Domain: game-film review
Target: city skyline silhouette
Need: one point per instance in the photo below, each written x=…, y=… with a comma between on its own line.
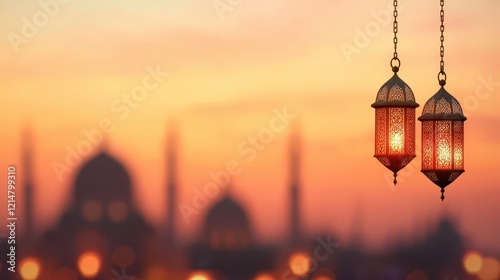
x=229, y=139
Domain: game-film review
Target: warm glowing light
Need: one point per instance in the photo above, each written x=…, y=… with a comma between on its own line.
x=117, y=211
x=472, y=262
x=458, y=157
x=89, y=264
x=199, y=276
x=490, y=269
x=30, y=269
x=299, y=264
x=396, y=142
x=443, y=152
x=92, y=211
x=417, y=275
x=264, y=276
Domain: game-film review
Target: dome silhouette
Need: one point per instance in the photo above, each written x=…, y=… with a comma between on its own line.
x=103, y=178
x=227, y=225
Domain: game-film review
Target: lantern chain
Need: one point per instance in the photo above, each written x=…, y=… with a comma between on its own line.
x=442, y=74
x=395, y=68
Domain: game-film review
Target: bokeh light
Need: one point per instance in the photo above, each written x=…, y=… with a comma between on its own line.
x=299, y=264
x=199, y=276
x=324, y=274
x=123, y=256
x=30, y=269
x=472, y=262
x=89, y=264
x=490, y=269
x=264, y=276
x=417, y=275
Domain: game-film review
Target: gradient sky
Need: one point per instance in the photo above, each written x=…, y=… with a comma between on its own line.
x=226, y=77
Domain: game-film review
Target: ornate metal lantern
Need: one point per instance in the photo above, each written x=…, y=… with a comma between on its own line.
x=442, y=139
x=442, y=131
x=395, y=125
x=395, y=118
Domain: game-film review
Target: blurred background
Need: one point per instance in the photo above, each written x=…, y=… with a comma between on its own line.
x=229, y=139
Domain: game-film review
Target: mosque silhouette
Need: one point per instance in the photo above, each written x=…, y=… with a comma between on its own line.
x=101, y=235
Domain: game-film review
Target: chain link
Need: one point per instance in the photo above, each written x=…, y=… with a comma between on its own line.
x=395, y=29
x=395, y=68
x=441, y=49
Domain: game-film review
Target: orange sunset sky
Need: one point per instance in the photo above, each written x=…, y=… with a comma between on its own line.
x=228, y=71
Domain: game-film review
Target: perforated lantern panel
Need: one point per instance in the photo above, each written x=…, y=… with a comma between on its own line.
x=442, y=149
x=395, y=124
x=395, y=136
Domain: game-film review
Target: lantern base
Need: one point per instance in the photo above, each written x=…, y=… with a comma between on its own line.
x=442, y=178
x=395, y=162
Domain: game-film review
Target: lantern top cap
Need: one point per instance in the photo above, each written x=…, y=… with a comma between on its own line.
x=442, y=105
x=395, y=93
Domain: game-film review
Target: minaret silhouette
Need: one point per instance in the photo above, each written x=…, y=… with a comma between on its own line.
x=27, y=152
x=171, y=181
x=294, y=185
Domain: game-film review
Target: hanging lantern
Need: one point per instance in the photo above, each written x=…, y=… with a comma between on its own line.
x=442, y=139
x=395, y=118
x=442, y=132
x=395, y=125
